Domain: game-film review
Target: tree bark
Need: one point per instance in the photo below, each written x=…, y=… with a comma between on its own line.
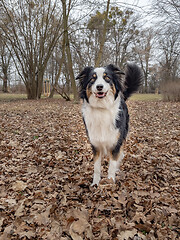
x=5, y=79
x=5, y=86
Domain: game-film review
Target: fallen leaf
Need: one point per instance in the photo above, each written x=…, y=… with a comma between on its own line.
x=79, y=227
x=1, y=222
x=27, y=234
x=20, y=210
x=125, y=235
x=19, y=186
x=43, y=218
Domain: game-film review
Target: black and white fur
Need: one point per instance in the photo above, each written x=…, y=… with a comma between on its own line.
x=105, y=112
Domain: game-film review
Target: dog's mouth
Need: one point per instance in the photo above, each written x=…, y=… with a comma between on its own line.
x=101, y=94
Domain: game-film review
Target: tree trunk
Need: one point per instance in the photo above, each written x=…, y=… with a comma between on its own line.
x=68, y=51
x=145, y=83
x=39, y=84
x=100, y=53
x=5, y=87
x=31, y=92
x=5, y=79
x=59, y=71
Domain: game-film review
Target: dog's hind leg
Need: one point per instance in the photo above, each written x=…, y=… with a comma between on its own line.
x=115, y=162
x=97, y=166
x=119, y=160
x=112, y=169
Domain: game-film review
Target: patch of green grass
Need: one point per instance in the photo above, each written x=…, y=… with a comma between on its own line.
x=144, y=232
x=135, y=97
x=146, y=97
x=35, y=137
x=12, y=96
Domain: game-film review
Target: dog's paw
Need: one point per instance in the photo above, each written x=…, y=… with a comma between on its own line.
x=95, y=182
x=96, y=179
x=112, y=177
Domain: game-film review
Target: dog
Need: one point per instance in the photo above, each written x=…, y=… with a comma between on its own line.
x=104, y=92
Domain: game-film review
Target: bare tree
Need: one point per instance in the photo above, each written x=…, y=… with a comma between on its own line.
x=124, y=33
x=67, y=48
x=5, y=58
x=169, y=58
x=169, y=10
x=32, y=28
x=59, y=62
x=121, y=31
x=143, y=48
x=103, y=37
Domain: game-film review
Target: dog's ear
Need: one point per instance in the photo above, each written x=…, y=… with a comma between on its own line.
x=83, y=81
x=117, y=78
x=115, y=69
x=84, y=74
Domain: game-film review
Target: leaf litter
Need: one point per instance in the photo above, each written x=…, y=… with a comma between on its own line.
x=46, y=170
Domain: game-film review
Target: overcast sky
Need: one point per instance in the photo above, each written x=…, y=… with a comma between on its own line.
x=141, y=3
x=141, y=6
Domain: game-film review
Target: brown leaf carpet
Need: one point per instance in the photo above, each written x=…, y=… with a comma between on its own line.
x=46, y=169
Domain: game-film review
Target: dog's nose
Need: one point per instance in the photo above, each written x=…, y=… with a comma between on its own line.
x=99, y=87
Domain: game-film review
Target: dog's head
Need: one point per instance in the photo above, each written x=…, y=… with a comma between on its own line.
x=100, y=85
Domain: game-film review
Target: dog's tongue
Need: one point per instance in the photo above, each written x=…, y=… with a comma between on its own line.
x=100, y=94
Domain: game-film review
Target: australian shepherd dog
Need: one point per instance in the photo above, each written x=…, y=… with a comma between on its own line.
x=104, y=92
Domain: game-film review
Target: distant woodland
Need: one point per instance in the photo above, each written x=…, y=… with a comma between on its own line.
x=53, y=40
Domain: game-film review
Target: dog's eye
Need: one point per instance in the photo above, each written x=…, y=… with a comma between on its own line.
x=107, y=79
x=92, y=80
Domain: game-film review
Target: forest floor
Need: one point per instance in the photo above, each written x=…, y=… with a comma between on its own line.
x=46, y=170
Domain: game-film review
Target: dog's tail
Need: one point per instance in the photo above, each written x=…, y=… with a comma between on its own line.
x=133, y=79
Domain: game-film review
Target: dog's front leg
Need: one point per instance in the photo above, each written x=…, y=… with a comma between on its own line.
x=97, y=167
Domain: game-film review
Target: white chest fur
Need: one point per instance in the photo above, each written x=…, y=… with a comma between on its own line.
x=100, y=123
